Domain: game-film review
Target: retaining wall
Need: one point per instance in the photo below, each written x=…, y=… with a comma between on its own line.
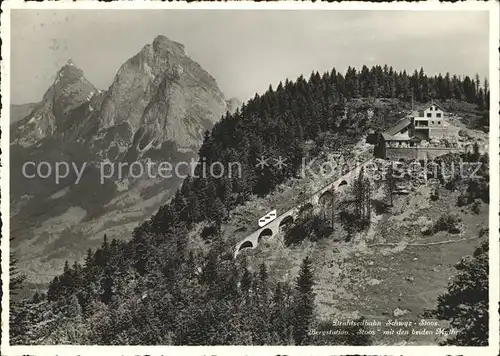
x=418, y=152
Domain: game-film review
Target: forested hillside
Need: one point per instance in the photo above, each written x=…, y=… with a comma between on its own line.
x=154, y=289
x=280, y=121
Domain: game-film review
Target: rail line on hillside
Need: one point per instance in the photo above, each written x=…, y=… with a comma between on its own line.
x=392, y=244
x=306, y=198
x=297, y=203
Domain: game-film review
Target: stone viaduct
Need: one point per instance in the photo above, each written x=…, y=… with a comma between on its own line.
x=288, y=217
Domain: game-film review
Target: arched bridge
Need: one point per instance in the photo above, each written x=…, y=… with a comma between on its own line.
x=308, y=204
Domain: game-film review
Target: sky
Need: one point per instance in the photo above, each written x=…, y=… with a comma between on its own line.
x=244, y=51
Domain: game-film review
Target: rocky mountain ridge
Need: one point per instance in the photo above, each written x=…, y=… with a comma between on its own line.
x=69, y=90
x=158, y=95
x=158, y=106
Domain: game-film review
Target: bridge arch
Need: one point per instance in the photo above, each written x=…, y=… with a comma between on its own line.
x=286, y=222
x=306, y=210
x=265, y=233
x=326, y=198
x=245, y=245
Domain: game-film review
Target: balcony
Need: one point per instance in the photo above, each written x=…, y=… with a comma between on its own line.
x=421, y=124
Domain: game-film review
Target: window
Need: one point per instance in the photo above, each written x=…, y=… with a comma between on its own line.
x=438, y=114
x=429, y=114
x=433, y=122
x=439, y=122
x=431, y=108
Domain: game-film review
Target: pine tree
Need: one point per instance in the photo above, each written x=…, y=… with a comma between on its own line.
x=391, y=83
x=263, y=285
x=67, y=280
x=210, y=274
x=18, y=312
x=218, y=213
x=73, y=308
x=465, y=304
x=140, y=251
x=475, y=152
x=263, y=274
x=232, y=285
x=304, y=303
x=477, y=82
x=390, y=184
x=486, y=93
x=77, y=276
x=89, y=259
x=367, y=200
x=423, y=85
x=359, y=195
x=246, y=279
x=406, y=91
x=20, y=322
x=448, y=87
x=16, y=278
x=107, y=285
x=54, y=290
x=480, y=101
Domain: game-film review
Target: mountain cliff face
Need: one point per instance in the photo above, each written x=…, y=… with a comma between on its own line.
x=159, y=104
x=70, y=90
x=163, y=95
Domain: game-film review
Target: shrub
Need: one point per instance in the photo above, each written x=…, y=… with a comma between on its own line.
x=477, y=189
x=461, y=201
x=476, y=207
x=320, y=228
x=465, y=303
x=351, y=223
x=483, y=231
x=435, y=195
x=380, y=207
x=313, y=227
x=208, y=232
x=463, y=133
x=447, y=222
x=427, y=231
x=450, y=185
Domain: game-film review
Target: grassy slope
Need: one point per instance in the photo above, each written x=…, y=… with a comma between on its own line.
x=363, y=279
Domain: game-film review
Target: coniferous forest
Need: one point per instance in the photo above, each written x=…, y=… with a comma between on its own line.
x=152, y=288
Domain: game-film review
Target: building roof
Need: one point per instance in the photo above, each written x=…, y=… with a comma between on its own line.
x=400, y=138
x=386, y=137
x=401, y=124
x=425, y=106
